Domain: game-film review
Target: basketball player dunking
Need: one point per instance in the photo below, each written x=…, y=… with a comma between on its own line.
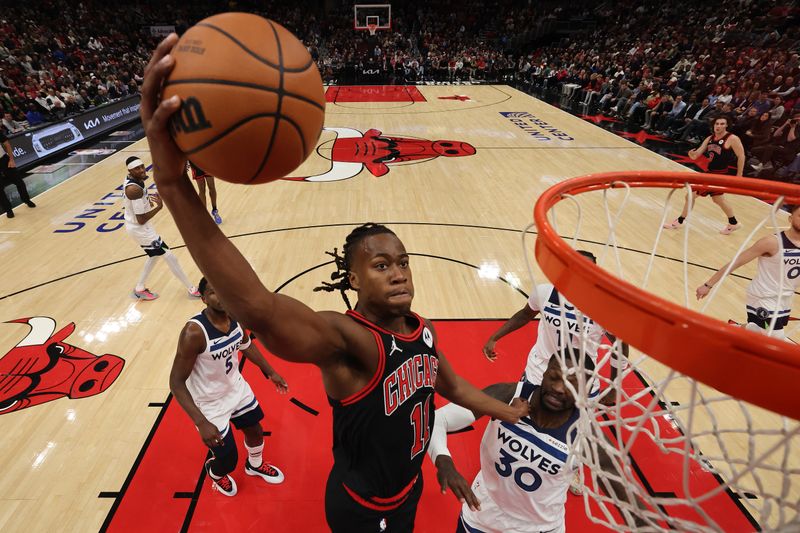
x=726, y=155
x=526, y=467
x=206, y=382
x=379, y=364
x=140, y=208
x=769, y=295
x=203, y=178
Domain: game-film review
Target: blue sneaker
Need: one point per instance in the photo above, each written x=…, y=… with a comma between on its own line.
x=217, y=218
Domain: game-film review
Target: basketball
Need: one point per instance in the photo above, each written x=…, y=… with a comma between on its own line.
x=252, y=98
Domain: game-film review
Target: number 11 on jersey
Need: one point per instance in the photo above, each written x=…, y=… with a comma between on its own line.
x=422, y=430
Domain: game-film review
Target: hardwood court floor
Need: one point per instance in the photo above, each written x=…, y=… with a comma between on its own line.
x=460, y=215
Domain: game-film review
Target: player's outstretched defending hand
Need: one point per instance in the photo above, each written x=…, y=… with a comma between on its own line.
x=702, y=291
x=489, y=350
x=449, y=477
x=280, y=383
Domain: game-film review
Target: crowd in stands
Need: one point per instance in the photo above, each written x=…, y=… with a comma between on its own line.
x=672, y=68
x=60, y=58
x=664, y=65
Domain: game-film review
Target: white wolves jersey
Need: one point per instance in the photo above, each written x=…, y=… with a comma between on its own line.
x=139, y=206
x=216, y=370
x=526, y=471
x=556, y=325
x=763, y=290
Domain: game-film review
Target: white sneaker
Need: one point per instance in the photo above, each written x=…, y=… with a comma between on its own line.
x=224, y=485
x=266, y=471
x=673, y=225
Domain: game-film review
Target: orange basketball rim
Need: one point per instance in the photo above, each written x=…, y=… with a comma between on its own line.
x=743, y=364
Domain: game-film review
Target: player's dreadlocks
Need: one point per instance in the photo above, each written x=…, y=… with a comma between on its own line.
x=340, y=279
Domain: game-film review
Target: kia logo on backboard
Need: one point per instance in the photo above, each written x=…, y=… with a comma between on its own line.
x=89, y=124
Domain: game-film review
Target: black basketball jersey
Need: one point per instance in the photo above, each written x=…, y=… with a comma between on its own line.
x=381, y=433
x=722, y=160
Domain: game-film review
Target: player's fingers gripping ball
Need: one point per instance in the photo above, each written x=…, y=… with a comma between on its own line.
x=253, y=103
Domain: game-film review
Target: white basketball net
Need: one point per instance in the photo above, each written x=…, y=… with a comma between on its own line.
x=690, y=458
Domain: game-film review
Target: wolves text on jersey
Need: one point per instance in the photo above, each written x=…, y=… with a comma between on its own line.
x=222, y=351
x=527, y=451
x=416, y=372
x=553, y=317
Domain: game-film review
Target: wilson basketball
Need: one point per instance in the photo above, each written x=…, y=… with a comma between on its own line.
x=252, y=98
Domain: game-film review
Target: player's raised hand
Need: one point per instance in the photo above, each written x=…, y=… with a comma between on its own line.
x=702, y=291
x=489, y=350
x=168, y=161
x=279, y=382
x=449, y=477
x=210, y=434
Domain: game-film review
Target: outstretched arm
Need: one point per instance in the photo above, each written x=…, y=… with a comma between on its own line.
x=287, y=327
x=519, y=319
x=765, y=246
x=453, y=417
x=461, y=392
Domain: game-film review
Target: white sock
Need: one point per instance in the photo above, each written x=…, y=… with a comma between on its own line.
x=254, y=454
x=176, y=269
x=148, y=267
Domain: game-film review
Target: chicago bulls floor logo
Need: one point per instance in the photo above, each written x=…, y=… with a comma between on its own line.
x=42, y=367
x=352, y=151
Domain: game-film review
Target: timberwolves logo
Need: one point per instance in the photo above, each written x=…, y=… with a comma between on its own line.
x=353, y=151
x=42, y=368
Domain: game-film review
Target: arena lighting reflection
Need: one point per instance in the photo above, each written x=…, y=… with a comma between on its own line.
x=40, y=458
x=489, y=271
x=513, y=280
x=113, y=325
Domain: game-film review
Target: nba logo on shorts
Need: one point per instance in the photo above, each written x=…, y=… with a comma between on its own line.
x=382, y=524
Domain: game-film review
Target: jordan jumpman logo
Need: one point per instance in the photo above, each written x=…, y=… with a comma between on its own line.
x=394, y=347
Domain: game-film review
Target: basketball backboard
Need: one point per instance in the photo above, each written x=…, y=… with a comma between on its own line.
x=372, y=17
